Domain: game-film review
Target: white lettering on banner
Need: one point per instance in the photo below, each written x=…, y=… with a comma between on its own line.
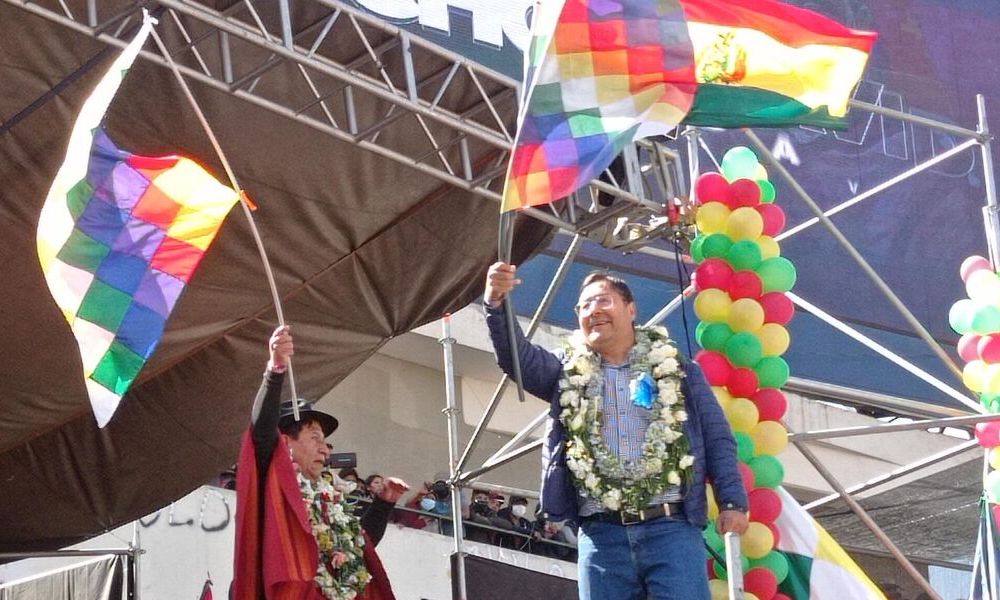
x=491, y=19
x=852, y=184
x=784, y=149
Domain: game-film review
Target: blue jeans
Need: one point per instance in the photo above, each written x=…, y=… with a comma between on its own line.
x=662, y=559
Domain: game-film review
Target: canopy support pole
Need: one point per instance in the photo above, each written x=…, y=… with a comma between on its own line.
x=451, y=413
x=543, y=308
x=825, y=434
x=895, y=473
x=855, y=255
x=867, y=520
x=885, y=352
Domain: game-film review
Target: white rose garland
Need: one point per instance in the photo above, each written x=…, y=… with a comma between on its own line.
x=616, y=483
x=336, y=529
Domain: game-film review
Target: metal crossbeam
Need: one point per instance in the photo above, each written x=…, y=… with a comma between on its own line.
x=355, y=77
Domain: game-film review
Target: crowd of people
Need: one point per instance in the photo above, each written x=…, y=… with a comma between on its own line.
x=489, y=517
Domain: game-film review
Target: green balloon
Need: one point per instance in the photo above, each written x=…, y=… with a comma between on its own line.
x=739, y=163
x=744, y=446
x=699, y=331
x=986, y=319
x=994, y=406
x=777, y=274
x=715, y=336
x=767, y=471
x=767, y=192
x=716, y=245
x=993, y=487
x=744, y=255
x=775, y=562
x=960, y=315
x=720, y=570
x=744, y=349
x=772, y=372
x=697, y=250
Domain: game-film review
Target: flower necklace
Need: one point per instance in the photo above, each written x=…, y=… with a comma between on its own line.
x=337, y=532
x=617, y=483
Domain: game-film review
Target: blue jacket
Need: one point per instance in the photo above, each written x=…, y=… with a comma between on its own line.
x=711, y=440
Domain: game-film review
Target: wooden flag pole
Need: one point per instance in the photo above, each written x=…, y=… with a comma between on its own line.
x=244, y=201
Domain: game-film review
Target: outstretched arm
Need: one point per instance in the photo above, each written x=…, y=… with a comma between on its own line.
x=267, y=404
x=540, y=368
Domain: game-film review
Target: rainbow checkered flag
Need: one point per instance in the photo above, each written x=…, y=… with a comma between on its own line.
x=602, y=74
x=119, y=237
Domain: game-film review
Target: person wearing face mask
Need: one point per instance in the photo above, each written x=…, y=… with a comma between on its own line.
x=514, y=519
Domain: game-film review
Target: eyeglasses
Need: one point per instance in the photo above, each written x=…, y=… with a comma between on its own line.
x=597, y=301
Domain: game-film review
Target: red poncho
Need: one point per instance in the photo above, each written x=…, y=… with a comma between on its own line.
x=286, y=546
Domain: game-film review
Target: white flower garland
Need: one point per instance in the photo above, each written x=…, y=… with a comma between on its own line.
x=336, y=530
x=616, y=483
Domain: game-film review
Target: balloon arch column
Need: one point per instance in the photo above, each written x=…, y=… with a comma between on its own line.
x=744, y=302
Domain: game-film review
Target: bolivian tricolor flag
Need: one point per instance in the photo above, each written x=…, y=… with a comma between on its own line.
x=765, y=63
x=604, y=73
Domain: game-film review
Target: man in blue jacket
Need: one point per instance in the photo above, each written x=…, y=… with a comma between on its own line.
x=633, y=435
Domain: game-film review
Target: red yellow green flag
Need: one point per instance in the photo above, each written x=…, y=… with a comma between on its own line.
x=604, y=73
x=765, y=63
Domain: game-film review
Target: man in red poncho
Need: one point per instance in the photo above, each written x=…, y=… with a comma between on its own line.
x=296, y=538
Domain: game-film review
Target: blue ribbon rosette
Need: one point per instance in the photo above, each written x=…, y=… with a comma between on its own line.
x=643, y=391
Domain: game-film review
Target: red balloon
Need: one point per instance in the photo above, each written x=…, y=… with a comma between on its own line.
x=760, y=582
x=771, y=404
x=745, y=284
x=747, y=474
x=973, y=264
x=765, y=505
x=710, y=565
x=744, y=192
x=774, y=218
x=988, y=434
x=711, y=187
x=716, y=367
x=742, y=382
x=777, y=308
x=774, y=532
x=968, y=347
x=988, y=348
x=713, y=273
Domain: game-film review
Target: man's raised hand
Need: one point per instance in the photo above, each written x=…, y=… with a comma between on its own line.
x=500, y=280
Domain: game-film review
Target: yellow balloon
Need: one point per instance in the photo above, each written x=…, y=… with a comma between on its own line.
x=991, y=379
x=972, y=375
x=757, y=540
x=769, y=437
x=768, y=247
x=983, y=285
x=719, y=589
x=712, y=305
x=742, y=414
x=749, y=596
x=746, y=314
x=713, y=507
x=995, y=457
x=774, y=339
x=721, y=394
x=744, y=224
x=760, y=172
x=712, y=217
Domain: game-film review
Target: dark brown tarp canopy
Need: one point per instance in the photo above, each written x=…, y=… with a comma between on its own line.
x=363, y=249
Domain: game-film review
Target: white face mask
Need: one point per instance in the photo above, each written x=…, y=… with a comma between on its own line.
x=519, y=510
x=427, y=504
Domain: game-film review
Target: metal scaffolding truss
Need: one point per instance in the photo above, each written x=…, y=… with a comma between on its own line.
x=383, y=89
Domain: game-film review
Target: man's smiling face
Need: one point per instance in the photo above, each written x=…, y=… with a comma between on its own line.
x=605, y=318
